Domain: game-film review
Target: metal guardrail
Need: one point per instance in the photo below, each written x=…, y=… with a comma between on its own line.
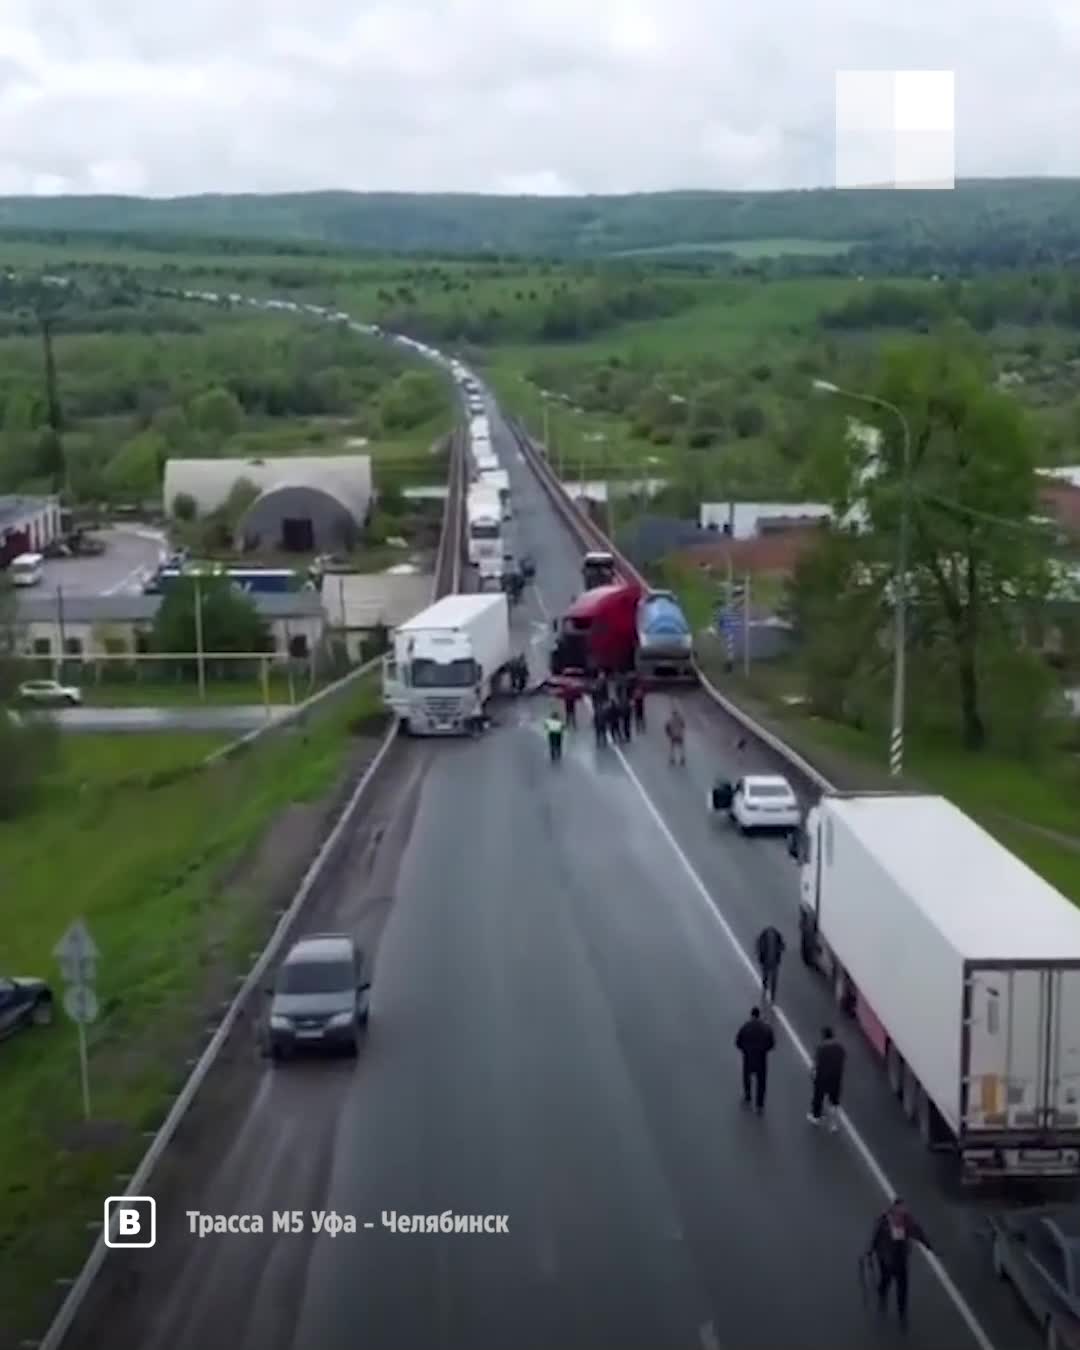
x=589, y=535
x=447, y=580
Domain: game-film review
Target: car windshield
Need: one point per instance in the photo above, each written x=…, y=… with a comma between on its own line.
x=769, y=790
x=315, y=977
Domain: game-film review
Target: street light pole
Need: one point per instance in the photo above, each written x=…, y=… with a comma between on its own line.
x=899, y=693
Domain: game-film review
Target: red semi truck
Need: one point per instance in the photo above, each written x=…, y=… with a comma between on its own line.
x=598, y=631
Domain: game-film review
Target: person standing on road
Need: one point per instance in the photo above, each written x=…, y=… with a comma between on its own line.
x=890, y=1246
x=553, y=725
x=570, y=696
x=626, y=713
x=828, y=1073
x=599, y=719
x=755, y=1042
x=770, y=952
x=639, y=706
x=676, y=734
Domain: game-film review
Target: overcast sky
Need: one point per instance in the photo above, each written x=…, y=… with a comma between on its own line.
x=166, y=97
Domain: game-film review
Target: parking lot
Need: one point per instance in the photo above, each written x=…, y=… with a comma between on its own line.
x=129, y=555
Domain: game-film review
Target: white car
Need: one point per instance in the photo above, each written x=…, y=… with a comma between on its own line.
x=49, y=691
x=765, y=802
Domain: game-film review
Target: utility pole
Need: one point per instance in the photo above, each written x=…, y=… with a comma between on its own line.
x=200, y=660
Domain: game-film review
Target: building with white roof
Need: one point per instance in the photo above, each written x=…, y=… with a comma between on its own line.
x=306, y=503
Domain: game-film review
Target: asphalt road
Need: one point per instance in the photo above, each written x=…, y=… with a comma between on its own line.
x=557, y=986
x=130, y=553
x=239, y=718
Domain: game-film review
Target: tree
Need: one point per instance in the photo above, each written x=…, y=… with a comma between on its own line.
x=216, y=415
x=412, y=399
x=185, y=507
x=974, y=561
x=230, y=621
x=748, y=420
x=172, y=425
x=134, y=472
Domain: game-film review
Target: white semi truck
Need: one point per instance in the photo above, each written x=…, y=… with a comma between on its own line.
x=499, y=482
x=444, y=663
x=961, y=966
x=484, y=525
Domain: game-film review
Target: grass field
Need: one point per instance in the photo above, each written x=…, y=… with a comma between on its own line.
x=747, y=248
x=137, y=838
x=184, y=693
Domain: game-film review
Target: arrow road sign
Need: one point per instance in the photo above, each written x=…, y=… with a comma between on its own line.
x=81, y=1004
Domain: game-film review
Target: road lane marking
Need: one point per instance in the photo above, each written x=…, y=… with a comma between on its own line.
x=861, y=1146
x=140, y=571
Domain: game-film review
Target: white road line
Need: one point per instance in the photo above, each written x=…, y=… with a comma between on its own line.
x=135, y=572
x=861, y=1146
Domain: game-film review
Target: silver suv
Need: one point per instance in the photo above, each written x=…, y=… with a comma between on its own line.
x=320, y=997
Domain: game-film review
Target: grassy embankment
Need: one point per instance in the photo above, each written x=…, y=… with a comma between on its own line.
x=135, y=836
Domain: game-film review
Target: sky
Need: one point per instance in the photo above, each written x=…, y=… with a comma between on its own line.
x=169, y=97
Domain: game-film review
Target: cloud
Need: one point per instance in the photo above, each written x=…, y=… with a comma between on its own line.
x=535, y=96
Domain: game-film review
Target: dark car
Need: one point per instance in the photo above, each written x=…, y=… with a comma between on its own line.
x=24, y=1003
x=1038, y=1252
x=320, y=998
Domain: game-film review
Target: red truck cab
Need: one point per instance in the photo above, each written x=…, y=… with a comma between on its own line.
x=598, y=631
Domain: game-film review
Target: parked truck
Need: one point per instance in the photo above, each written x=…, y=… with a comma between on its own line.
x=665, y=644
x=445, y=662
x=498, y=480
x=961, y=966
x=484, y=525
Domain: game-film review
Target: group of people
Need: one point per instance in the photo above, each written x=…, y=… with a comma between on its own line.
x=887, y=1254
x=618, y=708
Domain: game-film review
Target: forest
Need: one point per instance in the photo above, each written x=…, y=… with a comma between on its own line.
x=979, y=223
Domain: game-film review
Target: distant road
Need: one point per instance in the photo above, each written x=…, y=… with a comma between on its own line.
x=241, y=718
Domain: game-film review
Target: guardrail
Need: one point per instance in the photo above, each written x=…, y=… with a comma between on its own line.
x=447, y=580
x=589, y=535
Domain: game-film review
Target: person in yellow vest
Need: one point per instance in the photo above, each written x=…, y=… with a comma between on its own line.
x=553, y=725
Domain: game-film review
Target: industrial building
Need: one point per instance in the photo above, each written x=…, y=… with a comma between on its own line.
x=357, y=603
x=306, y=503
x=27, y=525
x=91, y=627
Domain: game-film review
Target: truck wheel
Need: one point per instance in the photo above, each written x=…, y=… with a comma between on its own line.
x=909, y=1095
x=405, y=727
x=894, y=1069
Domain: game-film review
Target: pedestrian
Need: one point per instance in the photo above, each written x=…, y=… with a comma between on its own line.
x=720, y=795
x=600, y=688
x=676, y=734
x=639, y=706
x=626, y=715
x=770, y=952
x=613, y=721
x=828, y=1072
x=755, y=1042
x=890, y=1246
x=553, y=725
x=570, y=695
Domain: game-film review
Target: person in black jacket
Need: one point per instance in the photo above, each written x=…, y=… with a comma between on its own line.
x=890, y=1246
x=755, y=1041
x=770, y=952
x=829, y=1059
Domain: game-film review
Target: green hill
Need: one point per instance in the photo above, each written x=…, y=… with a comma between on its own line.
x=1007, y=220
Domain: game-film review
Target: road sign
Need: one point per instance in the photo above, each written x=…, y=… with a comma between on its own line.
x=77, y=955
x=81, y=1004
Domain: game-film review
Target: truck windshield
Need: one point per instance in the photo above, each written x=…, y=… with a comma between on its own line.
x=485, y=529
x=443, y=675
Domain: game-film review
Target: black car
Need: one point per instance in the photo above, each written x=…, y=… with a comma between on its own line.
x=1038, y=1252
x=320, y=998
x=24, y=1003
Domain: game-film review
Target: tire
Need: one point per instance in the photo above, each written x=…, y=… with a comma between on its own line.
x=909, y=1094
x=894, y=1069
x=42, y=1014
x=1052, y=1342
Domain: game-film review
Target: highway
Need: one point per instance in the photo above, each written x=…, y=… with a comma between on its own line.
x=557, y=986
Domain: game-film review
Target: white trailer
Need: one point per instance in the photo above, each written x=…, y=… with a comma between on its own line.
x=445, y=662
x=962, y=967
x=484, y=524
x=498, y=480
